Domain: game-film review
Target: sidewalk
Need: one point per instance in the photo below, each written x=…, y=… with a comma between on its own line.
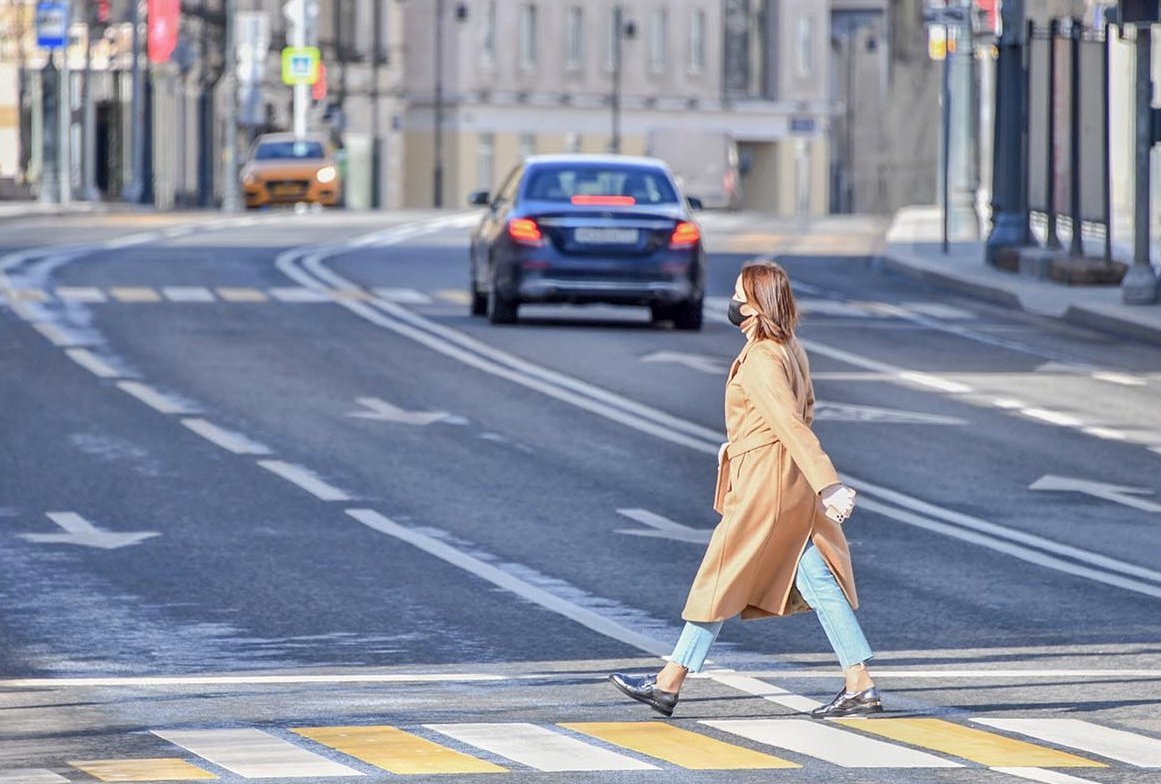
x=14, y=210
x=914, y=249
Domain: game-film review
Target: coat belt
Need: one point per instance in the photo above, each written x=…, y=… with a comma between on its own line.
x=735, y=449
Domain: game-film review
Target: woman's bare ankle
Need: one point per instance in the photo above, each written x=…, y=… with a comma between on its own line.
x=671, y=677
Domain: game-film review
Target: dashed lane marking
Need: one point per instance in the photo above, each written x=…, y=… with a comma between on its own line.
x=955, y=740
x=403, y=296
x=397, y=751
x=298, y=294
x=134, y=294
x=538, y=747
x=158, y=401
x=242, y=294
x=305, y=479
x=1120, y=745
x=53, y=334
x=80, y=294
x=255, y=754
x=161, y=769
x=828, y=743
x=91, y=362
x=226, y=439
x=454, y=296
x=188, y=294
x=686, y=749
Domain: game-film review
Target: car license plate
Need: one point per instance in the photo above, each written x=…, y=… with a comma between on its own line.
x=591, y=236
x=287, y=190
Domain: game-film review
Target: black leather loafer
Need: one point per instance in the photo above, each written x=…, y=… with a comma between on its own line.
x=847, y=704
x=643, y=688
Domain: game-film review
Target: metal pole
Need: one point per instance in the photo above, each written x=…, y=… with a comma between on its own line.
x=437, y=172
x=618, y=23
x=65, y=156
x=231, y=188
x=301, y=91
x=1052, y=241
x=1076, y=247
x=1139, y=286
x=945, y=141
x=136, y=187
x=1009, y=200
x=50, y=105
x=376, y=61
x=205, y=116
x=89, y=119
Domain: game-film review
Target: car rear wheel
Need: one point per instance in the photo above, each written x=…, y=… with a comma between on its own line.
x=479, y=303
x=500, y=309
x=686, y=316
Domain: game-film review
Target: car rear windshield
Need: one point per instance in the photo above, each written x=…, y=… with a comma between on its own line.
x=581, y=184
x=269, y=151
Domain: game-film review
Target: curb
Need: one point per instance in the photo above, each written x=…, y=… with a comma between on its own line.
x=1078, y=315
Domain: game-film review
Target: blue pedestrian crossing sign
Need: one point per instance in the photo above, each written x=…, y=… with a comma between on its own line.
x=300, y=65
x=52, y=24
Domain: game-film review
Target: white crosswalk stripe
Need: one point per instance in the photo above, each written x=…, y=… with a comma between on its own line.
x=838, y=747
x=1115, y=744
x=538, y=747
x=30, y=776
x=254, y=754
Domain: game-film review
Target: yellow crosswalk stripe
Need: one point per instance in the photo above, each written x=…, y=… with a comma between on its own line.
x=985, y=748
x=163, y=769
x=455, y=296
x=397, y=751
x=680, y=747
x=241, y=294
x=134, y=294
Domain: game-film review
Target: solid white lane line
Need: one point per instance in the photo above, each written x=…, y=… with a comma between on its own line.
x=1139, y=750
x=1015, y=550
x=188, y=294
x=511, y=583
x=960, y=674
x=1002, y=532
x=935, y=382
x=830, y=744
x=1124, y=379
x=1043, y=776
x=246, y=680
x=538, y=747
x=31, y=776
x=1106, y=433
x=154, y=399
x=305, y=479
x=54, y=334
x=80, y=294
x=1052, y=417
x=254, y=754
x=92, y=363
x=226, y=439
x=766, y=691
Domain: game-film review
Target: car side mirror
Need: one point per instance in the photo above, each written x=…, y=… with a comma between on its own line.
x=694, y=203
x=479, y=198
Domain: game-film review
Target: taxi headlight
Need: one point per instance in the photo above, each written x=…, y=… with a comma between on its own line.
x=326, y=174
x=250, y=178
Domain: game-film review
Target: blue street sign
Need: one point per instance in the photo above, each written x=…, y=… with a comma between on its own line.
x=52, y=24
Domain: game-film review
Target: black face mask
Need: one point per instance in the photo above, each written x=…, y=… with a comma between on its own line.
x=735, y=313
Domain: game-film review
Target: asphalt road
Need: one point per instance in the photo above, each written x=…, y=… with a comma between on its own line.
x=265, y=474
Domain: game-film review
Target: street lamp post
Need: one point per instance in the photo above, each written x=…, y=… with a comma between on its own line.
x=621, y=30
x=1009, y=200
x=1139, y=286
x=437, y=169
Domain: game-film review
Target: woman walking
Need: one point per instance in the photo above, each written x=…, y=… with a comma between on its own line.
x=779, y=548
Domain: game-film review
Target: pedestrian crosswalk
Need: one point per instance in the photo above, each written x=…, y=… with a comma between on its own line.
x=1030, y=748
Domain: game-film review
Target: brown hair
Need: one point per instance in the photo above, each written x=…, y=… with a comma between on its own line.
x=767, y=289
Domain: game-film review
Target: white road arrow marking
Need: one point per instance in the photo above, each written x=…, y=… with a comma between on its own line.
x=844, y=412
x=662, y=527
x=700, y=362
x=1115, y=493
x=385, y=412
x=79, y=531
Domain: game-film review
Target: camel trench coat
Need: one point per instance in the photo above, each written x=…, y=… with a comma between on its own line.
x=768, y=485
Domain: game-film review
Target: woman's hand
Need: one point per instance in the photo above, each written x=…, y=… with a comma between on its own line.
x=722, y=452
x=838, y=501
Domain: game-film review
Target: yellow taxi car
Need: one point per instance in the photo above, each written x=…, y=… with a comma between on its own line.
x=288, y=169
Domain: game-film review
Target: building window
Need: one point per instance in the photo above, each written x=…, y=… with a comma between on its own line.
x=658, y=39
x=528, y=35
x=527, y=145
x=574, y=38
x=488, y=35
x=485, y=160
x=805, y=45
x=697, y=41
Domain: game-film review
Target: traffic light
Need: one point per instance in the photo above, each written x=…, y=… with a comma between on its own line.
x=102, y=11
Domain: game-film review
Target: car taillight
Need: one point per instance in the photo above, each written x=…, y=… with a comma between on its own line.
x=525, y=231
x=585, y=200
x=684, y=234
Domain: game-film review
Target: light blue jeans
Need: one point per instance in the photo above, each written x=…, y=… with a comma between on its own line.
x=818, y=587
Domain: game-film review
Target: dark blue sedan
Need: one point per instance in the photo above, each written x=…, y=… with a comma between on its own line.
x=588, y=229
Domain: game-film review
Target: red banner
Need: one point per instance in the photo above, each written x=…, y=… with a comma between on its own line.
x=163, y=25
